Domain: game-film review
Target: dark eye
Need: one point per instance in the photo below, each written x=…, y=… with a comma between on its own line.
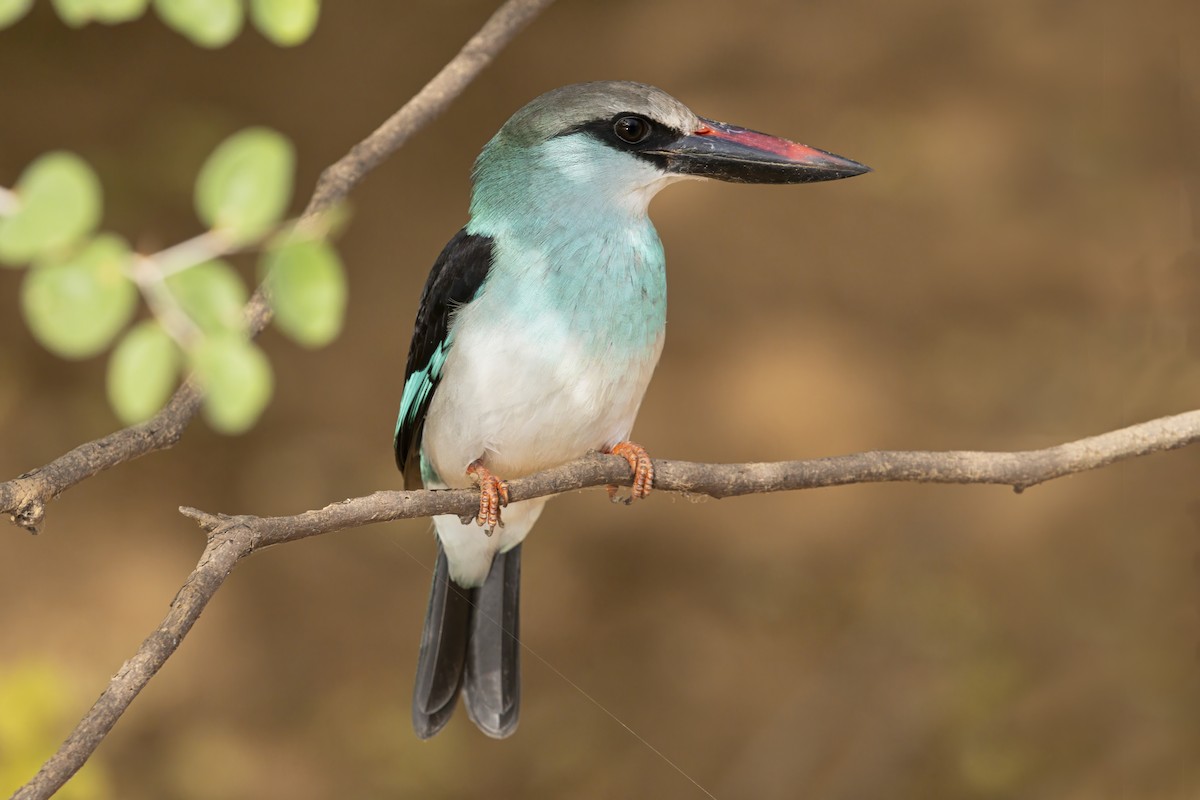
x=631, y=129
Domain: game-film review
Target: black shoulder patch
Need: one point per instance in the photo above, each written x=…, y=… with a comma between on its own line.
x=454, y=281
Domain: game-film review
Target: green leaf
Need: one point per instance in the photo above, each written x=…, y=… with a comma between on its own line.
x=76, y=307
x=142, y=372
x=208, y=23
x=75, y=13
x=213, y=294
x=307, y=287
x=285, y=22
x=12, y=10
x=78, y=13
x=246, y=184
x=60, y=202
x=114, y=11
x=237, y=381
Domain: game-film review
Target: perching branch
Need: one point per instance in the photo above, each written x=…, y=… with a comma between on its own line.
x=24, y=498
x=232, y=538
x=1019, y=470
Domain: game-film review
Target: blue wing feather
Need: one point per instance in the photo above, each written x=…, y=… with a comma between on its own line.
x=455, y=279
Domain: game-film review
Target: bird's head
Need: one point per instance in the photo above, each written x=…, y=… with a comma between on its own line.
x=620, y=142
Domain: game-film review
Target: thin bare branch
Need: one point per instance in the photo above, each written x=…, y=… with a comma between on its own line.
x=218, y=559
x=232, y=538
x=1019, y=470
x=24, y=498
x=337, y=181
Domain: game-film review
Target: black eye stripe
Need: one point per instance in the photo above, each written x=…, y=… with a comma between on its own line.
x=660, y=136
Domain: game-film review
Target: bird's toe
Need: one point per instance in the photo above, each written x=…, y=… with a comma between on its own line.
x=643, y=470
x=493, y=496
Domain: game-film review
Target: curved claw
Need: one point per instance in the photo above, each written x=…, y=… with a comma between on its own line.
x=493, y=496
x=642, y=466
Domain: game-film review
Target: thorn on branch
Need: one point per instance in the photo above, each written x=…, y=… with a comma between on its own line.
x=209, y=522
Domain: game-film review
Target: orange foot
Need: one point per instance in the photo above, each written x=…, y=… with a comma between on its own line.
x=493, y=496
x=643, y=470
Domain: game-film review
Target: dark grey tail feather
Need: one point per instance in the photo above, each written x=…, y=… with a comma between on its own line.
x=442, y=661
x=493, y=676
x=470, y=642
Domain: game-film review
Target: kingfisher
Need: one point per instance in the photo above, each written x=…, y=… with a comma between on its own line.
x=538, y=329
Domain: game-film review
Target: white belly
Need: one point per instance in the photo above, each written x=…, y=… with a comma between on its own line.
x=523, y=401
x=526, y=398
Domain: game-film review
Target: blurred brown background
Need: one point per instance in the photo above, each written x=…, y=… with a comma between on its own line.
x=1022, y=269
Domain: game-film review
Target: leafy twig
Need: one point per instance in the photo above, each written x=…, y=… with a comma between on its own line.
x=24, y=498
